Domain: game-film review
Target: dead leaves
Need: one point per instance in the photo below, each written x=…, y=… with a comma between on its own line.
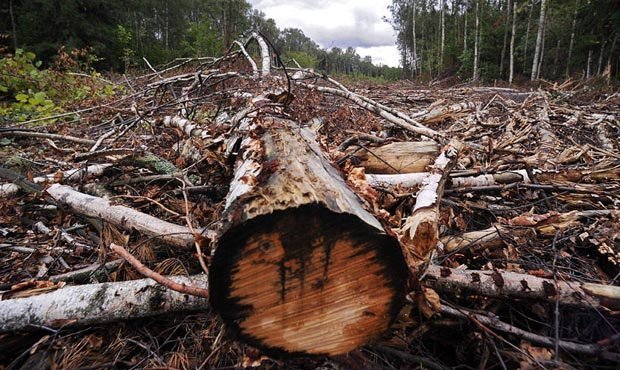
x=428, y=302
x=31, y=288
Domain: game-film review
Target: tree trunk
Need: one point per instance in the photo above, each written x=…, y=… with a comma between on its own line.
x=465, y=26
x=588, y=74
x=413, y=35
x=443, y=33
x=13, y=24
x=301, y=266
x=476, y=41
x=539, y=38
x=512, y=42
x=599, y=67
x=505, y=45
x=572, y=39
x=542, y=48
x=527, y=35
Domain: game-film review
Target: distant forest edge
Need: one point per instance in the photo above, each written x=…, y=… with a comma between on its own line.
x=119, y=33
x=471, y=39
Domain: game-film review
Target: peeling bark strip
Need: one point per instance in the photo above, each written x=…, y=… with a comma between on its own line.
x=420, y=232
x=99, y=303
x=301, y=266
x=120, y=216
x=585, y=295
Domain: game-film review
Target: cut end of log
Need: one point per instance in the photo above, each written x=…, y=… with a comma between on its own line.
x=307, y=281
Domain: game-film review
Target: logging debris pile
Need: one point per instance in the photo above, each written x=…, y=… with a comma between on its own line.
x=523, y=271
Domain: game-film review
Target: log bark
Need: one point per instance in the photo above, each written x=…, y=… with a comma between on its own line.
x=300, y=267
x=121, y=216
x=501, y=284
x=99, y=303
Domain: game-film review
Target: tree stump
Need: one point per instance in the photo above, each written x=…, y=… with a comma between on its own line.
x=301, y=267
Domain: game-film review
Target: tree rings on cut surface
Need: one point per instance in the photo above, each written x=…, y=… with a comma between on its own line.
x=307, y=280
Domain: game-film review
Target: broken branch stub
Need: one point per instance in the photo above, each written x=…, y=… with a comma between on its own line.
x=420, y=231
x=301, y=267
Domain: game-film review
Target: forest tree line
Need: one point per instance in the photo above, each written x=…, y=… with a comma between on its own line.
x=119, y=33
x=508, y=39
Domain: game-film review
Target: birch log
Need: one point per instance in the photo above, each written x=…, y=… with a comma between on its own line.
x=409, y=180
x=99, y=303
x=511, y=284
x=121, y=216
x=301, y=267
x=420, y=232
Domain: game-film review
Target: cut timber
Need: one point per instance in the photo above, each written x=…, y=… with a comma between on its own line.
x=300, y=266
x=400, y=157
x=99, y=303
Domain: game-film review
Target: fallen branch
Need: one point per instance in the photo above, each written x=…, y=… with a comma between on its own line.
x=167, y=282
x=417, y=129
x=546, y=224
x=495, y=323
x=45, y=135
x=501, y=284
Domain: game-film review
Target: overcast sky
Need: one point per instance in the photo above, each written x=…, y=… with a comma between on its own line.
x=339, y=23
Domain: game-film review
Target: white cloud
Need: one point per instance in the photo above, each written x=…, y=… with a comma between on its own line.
x=338, y=23
x=387, y=55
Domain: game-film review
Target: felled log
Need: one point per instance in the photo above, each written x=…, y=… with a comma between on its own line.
x=301, y=266
x=99, y=303
x=399, y=157
x=511, y=284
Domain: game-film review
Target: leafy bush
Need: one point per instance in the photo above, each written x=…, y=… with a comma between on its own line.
x=29, y=92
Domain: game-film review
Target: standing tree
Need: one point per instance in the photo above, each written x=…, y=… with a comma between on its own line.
x=476, y=41
x=501, y=63
x=539, y=39
x=512, y=41
x=572, y=38
x=443, y=32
